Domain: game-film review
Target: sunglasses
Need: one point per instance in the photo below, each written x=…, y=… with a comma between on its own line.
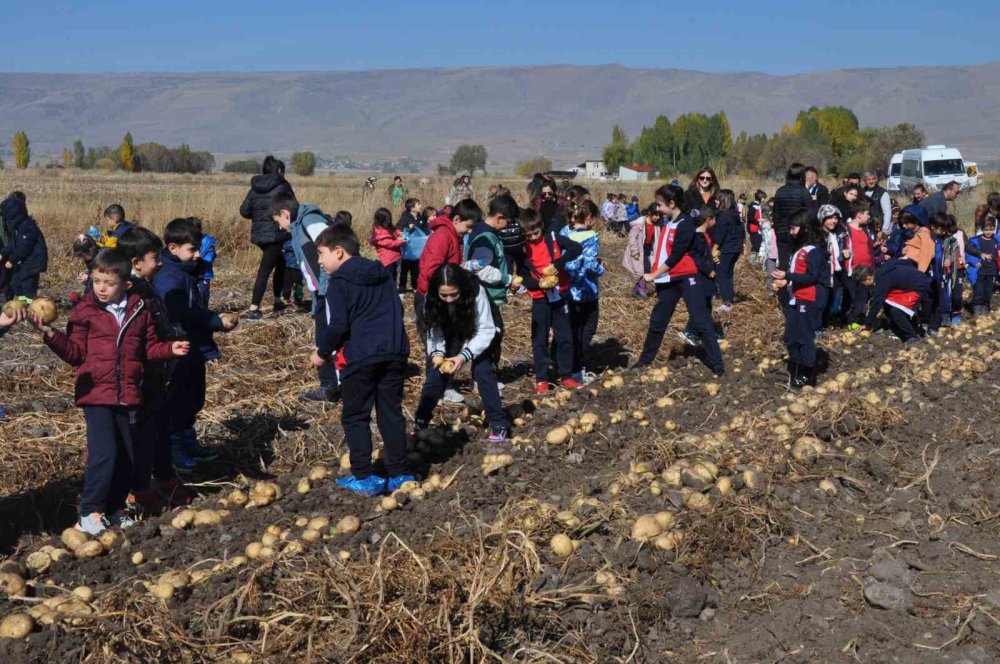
x=705, y=178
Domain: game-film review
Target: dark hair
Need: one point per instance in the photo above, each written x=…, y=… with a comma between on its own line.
x=138, y=241
x=114, y=261
x=272, y=166
x=853, y=175
x=382, y=219
x=410, y=203
x=857, y=207
x=578, y=191
x=852, y=187
x=952, y=184
x=467, y=210
x=952, y=227
x=811, y=231
x=506, y=205
x=993, y=200
x=988, y=222
x=920, y=187
x=760, y=195
x=85, y=247
x=862, y=272
x=183, y=230
x=342, y=218
x=457, y=320
x=939, y=219
x=726, y=199
x=706, y=212
x=907, y=217
x=339, y=236
x=671, y=193
x=114, y=212
x=811, y=169
x=694, y=181
x=653, y=210
x=283, y=201
x=529, y=220
x=796, y=173
x=586, y=210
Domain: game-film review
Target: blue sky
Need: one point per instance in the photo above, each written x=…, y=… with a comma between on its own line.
x=727, y=35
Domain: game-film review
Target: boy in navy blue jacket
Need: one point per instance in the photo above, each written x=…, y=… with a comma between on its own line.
x=176, y=283
x=365, y=328
x=897, y=286
x=25, y=255
x=981, y=252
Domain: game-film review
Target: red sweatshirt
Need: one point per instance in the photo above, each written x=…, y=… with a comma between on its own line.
x=443, y=246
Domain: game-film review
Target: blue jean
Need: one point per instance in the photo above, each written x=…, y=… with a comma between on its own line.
x=725, y=272
x=108, y=477
x=553, y=316
x=484, y=373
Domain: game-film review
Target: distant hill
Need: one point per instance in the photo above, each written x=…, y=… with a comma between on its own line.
x=563, y=112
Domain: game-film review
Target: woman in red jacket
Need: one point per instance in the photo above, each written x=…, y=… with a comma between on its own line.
x=109, y=339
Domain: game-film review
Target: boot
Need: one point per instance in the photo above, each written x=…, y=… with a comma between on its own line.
x=793, y=372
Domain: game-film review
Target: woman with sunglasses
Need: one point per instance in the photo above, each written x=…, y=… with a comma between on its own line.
x=702, y=190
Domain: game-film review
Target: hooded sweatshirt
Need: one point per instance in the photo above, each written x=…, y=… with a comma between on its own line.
x=585, y=270
x=26, y=248
x=364, y=317
x=443, y=246
x=308, y=223
x=176, y=283
x=257, y=207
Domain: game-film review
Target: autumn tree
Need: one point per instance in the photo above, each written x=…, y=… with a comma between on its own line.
x=537, y=165
x=468, y=158
x=67, y=157
x=22, y=150
x=126, y=153
x=303, y=163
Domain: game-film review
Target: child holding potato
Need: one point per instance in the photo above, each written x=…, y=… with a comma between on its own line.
x=461, y=330
x=545, y=278
x=109, y=338
x=584, y=290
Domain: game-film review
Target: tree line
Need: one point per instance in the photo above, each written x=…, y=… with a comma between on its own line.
x=830, y=138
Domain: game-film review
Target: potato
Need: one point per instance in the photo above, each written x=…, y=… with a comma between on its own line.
x=138, y=558
x=318, y=523
x=828, y=487
x=304, y=486
x=44, y=308
x=437, y=361
x=752, y=481
x=13, y=306
x=697, y=501
x=666, y=541
x=664, y=519
x=207, y=518
x=548, y=283
x=664, y=402
x=344, y=556
x=184, y=519
x=310, y=536
x=84, y=593
x=388, y=503
x=723, y=486
x=645, y=528
x=558, y=436
x=108, y=539
x=345, y=460
x=12, y=585
x=349, y=525
x=638, y=415
x=164, y=591
x=73, y=538
x=317, y=473
x=229, y=319
x=38, y=562
x=712, y=389
x=269, y=539
x=807, y=448
x=16, y=626
x=176, y=578
x=561, y=545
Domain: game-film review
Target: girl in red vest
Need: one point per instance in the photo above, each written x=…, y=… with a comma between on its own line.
x=674, y=274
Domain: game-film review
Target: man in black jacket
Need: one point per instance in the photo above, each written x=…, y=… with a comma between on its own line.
x=789, y=199
x=819, y=193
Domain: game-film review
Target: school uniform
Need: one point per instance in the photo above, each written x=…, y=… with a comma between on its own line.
x=803, y=313
x=982, y=271
x=898, y=289
x=727, y=236
x=672, y=245
x=859, y=243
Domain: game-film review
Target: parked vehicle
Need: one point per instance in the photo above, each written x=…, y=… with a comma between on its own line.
x=895, y=169
x=933, y=166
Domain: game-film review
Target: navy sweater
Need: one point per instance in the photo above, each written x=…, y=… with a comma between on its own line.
x=895, y=275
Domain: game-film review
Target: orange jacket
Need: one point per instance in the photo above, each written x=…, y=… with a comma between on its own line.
x=920, y=249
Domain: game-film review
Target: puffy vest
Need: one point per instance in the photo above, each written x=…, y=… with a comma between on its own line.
x=875, y=204
x=497, y=293
x=663, y=245
x=799, y=264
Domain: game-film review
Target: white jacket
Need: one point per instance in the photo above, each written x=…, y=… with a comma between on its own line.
x=480, y=341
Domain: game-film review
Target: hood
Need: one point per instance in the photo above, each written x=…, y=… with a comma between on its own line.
x=362, y=272
x=442, y=221
x=13, y=209
x=263, y=184
x=920, y=213
x=169, y=261
x=305, y=210
x=581, y=235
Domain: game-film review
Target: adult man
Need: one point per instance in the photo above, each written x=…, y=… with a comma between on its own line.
x=919, y=193
x=938, y=201
x=789, y=199
x=820, y=194
x=881, y=206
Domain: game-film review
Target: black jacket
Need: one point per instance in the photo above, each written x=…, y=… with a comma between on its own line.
x=176, y=284
x=895, y=275
x=364, y=317
x=789, y=199
x=256, y=207
x=26, y=247
x=727, y=234
x=693, y=199
x=407, y=222
x=821, y=192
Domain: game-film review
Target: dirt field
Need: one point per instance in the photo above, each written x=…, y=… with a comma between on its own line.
x=855, y=522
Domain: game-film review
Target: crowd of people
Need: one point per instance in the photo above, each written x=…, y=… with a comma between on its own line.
x=141, y=332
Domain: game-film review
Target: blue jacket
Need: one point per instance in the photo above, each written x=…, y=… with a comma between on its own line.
x=289, y=254
x=121, y=229
x=364, y=317
x=727, y=234
x=895, y=275
x=585, y=270
x=26, y=247
x=974, y=264
x=177, y=285
x=303, y=246
x=207, y=258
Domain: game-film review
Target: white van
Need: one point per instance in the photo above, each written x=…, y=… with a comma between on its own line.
x=933, y=167
x=895, y=168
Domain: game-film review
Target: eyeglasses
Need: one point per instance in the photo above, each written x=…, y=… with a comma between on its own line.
x=705, y=178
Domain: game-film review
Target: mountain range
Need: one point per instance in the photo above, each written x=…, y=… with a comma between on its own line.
x=564, y=112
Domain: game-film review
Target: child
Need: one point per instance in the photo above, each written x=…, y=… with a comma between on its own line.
x=767, y=253
x=832, y=295
x=639, y=247
x=443, y=246
x=176, y=282
x=946, y=260
x=675, y=274
x=291, y=286
x=958, y=270
x=305, y=223
x=25, y=255
x=919, y=246
x=397, y=191
x=364, y=325
x=896, y=286
x=387, y=241
x=981, y=254
x=702, y=253
x=807, y=270
x=485, y=253
x=84, y=249
x=152, y=456
x=858, y=251
x=546, y=255
x=727, y=236
x=108, y=338
x=460, y=329
x=207, y=264
x=115, y=216
x=755, y=216
x=583, y=273
x=411, y=222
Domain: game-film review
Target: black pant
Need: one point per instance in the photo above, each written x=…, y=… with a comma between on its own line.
x=418, y=311
x=583, y=318
x=293, y=278
x=552, y=316
x=393, y=270
x=755, y=240
x=381, y=385
x=23, y=285
x=108, y=477
x=901, y=323
x=785, y=251
x=151, y=442
x=409, y=269
x=802, y=321
x=328, y=377
x=725, y=272
x=185, y=393
x=667, y=296
x=858, y=296
x=956, y=295
x=272, y=259
x=982, y=292
x=484, y=373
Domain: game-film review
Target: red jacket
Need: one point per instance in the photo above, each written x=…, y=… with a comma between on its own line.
x=109, y=359
x=387, y=245
x=443, y=246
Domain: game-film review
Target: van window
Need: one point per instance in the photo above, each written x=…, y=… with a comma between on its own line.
x=895, y=169
x=944, y=167
x=911, y=168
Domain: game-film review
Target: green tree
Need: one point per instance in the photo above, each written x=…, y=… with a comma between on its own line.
x=885, y=142
x=618, y=152
x=537, y=165
x=468, y=158
x=126, y=153
x=303, y=163
x=654, y=146
x=840, y=127
x=79, y=154
x=248, y=166
x=22, y=150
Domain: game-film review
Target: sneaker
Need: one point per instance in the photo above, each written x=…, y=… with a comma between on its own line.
x=121, y=520
x=328, y=394
x=279, y=306
x=498, y=435
x=854, y=326
x=542, y=387
x=253, y=314
x=183, y=463
x=396, y=482
x=174, y=494
x=723, y=308
x=195, y=449
x=143, y=503
x=92, y=524
x=373, y=485
x=500, y=386
x=956, y=320
x=451, y=396
x=570, y=383
x=587, y=377
x=689, y=338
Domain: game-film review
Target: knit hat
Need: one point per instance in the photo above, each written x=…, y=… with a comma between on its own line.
x=827, y=211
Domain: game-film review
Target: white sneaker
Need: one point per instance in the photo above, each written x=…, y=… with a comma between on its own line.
x=588, y=377
x=500, y=386
x=121, y=520
x=92, y=524
x=452, y=396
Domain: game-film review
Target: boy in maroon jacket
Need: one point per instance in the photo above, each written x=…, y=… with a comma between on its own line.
x=109, y=338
